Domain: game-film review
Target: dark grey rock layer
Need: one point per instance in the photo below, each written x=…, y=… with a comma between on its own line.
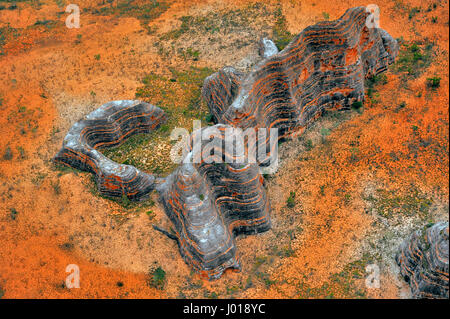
x=323, y=68
x=209, y=201
x=108, y=126
x=423, y=261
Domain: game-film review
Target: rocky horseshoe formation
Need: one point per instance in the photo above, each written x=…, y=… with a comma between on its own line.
x=211, y=200
x=423, y=261
x=108, y=126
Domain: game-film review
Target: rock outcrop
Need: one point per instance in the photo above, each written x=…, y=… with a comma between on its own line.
x=108, y=126
x=323, y=68
x=423, y=261
x=211, y=200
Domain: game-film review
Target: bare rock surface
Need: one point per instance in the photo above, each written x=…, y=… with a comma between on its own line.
x=108, y=126
x=423, y=261
x=212, y=200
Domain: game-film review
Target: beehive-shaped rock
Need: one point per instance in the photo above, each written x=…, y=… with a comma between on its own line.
x=423, y=261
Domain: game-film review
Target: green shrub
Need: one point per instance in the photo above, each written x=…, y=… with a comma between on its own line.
x=7, y=156
x=209, y=118
x=290, y=202
x=434, y=82
x=13, y=213
x=281, y=36
x=357, y=105
x=413, y=12
x=309, y=145
x=157, y=278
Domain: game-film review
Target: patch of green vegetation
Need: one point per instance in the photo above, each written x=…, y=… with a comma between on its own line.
x=347, y=284
x=352, y=272
x=13, y=213
x=64, y=169
x=357, y=105
x=21, y=152
x=60, y=3
x=401, y=106
x=281, y=36
x=290, y=202
x=7, y=33
x=413, y=12
x=187, y=23
x=144, y=12
x=179, y=95
x=389, y=203
x=413, y=59
x=42, y=22
x=157, y=278
x=36, y=180
x=309, y=145
x=322, y=190
x=434, y=82
x=374, y=81
x=214, y=21
x=265, y=278
x=97, y=57
x=8, y=155
x=56, y=187
x=285, y=251
x=189, y=53
x=325, y=131
x=212, y=295
x=12, y=6
x=372, y=84
x=24, y=119
x=354, y=158
x=151, y=215
x=326, y=16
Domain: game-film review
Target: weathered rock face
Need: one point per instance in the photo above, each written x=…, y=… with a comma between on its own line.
x=423, y=261
x=108, y=126
x=212, y=199
x=323, y=68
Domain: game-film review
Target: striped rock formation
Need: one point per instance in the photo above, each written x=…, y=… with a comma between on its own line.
x=211, y=199
x=423, y=261
x=108, y=126
x=323, y=68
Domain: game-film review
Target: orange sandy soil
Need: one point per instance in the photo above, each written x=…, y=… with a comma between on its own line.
x=50, y=78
